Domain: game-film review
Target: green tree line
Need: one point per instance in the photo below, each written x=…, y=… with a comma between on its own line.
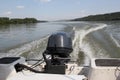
x=100, y=17
x=6, y=20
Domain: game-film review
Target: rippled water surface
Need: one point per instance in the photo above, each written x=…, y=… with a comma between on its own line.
x=90, y=39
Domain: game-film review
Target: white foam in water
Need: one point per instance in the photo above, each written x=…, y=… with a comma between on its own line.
x=115, y=41
x=25, y=48
x=78, y=39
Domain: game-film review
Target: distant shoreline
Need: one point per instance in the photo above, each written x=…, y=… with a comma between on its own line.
x=100, y=17
x=7, y=20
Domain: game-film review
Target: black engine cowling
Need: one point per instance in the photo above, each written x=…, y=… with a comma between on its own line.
x=59, y=44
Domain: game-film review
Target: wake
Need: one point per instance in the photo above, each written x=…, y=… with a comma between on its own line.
x=32, y=49
x=80, y=46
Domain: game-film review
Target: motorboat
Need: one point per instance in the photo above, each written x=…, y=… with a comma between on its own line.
x=56, y=64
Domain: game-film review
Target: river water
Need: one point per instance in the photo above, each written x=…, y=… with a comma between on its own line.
x=90, y=39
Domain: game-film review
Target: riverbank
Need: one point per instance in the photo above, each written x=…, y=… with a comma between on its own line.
x=100, y=17
x=7, y=20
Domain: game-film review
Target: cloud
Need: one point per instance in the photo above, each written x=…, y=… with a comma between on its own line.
x=20, y=7
x=45, y=1
x=8, y=13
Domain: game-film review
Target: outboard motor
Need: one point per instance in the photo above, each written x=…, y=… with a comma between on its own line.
x=59, y=48
x=59, y=44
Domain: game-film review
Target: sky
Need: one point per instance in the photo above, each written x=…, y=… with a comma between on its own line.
x=56, y=9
